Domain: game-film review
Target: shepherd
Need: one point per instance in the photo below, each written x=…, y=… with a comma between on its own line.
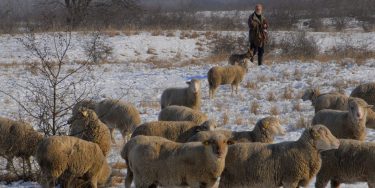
x=258, y=26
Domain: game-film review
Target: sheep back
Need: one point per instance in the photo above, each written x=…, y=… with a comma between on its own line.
x=118, y=114
x=365, y=92
x=181, y=113
x=352, y=162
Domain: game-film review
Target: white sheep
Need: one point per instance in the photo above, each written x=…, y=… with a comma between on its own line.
x=349, y=124
x=287, y=164
x=178, y=131
x=117, y=114
x=86, y=125
x=352, y=162
x=155, y=161
x=182, y=113
x=264, y=131
x=189, y=97
x=222, y=75
x=72, y=158
x=18, y=139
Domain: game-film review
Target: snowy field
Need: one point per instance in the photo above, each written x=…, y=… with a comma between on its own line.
x=133, y=80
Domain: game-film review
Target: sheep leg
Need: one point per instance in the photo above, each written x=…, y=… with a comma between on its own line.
x=129, y=177
x=94, y=183
x=232, y=88
x=321, y=182
x=335, y=184
x=236, y=89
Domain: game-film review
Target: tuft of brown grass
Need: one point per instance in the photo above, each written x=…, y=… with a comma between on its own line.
x=170, y=34
x=254, y=108
x=297, y=106
x=251, y=85
x=119, y=165
x=194, y=35
x=225, y=119
x=271, y=96
x=238, y=120
x=288, y=93
x=302, y=123
x=298, y=75
x=157, y=32
x=112, y=33
x=262, y=78
x=274, y=111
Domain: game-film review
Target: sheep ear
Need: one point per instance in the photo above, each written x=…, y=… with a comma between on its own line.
x=206, y=142
x=314, y=133
x=84, y=113
x=266, y=125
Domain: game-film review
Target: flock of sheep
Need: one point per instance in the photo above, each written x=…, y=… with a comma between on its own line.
x=185, y=148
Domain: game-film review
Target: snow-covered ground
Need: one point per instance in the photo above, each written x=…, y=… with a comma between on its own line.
x=147, y=82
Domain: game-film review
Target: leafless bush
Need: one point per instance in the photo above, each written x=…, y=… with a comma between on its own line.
x=49, y=96
x=227, y=44
x=274, y=110
x=299, y=45
x=96, y=48
x=254, y=107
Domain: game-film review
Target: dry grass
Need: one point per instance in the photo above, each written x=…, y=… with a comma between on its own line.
x=157, y=32
x=251, y=85
x=297, y=106
x=119, y=165
x=225, y=119
x=214, y=59
x=298, y=74
x=302, y=123
x=112, y=33
x=239, y=120
x=194, y=35
x=170, y=34
x=274, y=111
x=288, y=93
x=262, y=78
x=271, y=96
x=254, y=108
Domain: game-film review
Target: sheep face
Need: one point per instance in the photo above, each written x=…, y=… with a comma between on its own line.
x=276, y=129
x=217, y=146
x=323, y=138
x=308, y=95
x=194, y=86
x=83, y=114
x=209, y=125
x=358, y=109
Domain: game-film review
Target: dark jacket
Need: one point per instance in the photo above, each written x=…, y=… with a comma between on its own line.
x=258, y=27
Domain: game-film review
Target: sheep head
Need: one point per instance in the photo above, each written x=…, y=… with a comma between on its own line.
x=271, y=126
x=216, y=146
x=194, y=86
x=358, y=109
x=311, y=94
x=209, y=125
x=322, y=138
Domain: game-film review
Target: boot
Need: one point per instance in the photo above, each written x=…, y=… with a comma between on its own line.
x=260, y=60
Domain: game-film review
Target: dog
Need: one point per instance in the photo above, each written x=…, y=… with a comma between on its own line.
x=240, y=58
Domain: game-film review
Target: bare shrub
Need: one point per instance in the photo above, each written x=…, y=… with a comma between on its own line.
x=96, y=49
x=227, y=44
x=239, y=120
x=251, y=85
x=297, y=106
x=288, y=93
x=299, y=45
x=298, y=74
x=225, y=119
x=302, y=123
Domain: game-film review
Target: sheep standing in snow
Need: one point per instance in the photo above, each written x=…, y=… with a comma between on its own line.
x=18, y=139
x=189, y=97
x=264, y=131
x=287, y=164
x=182, y=113
x=155, y=161
x=72, y=158
x=178, y=131
x=232, y=74
x=87, y=126
x=117, y=114
x=334, y=101
x=352, y=162
x=349, y=124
